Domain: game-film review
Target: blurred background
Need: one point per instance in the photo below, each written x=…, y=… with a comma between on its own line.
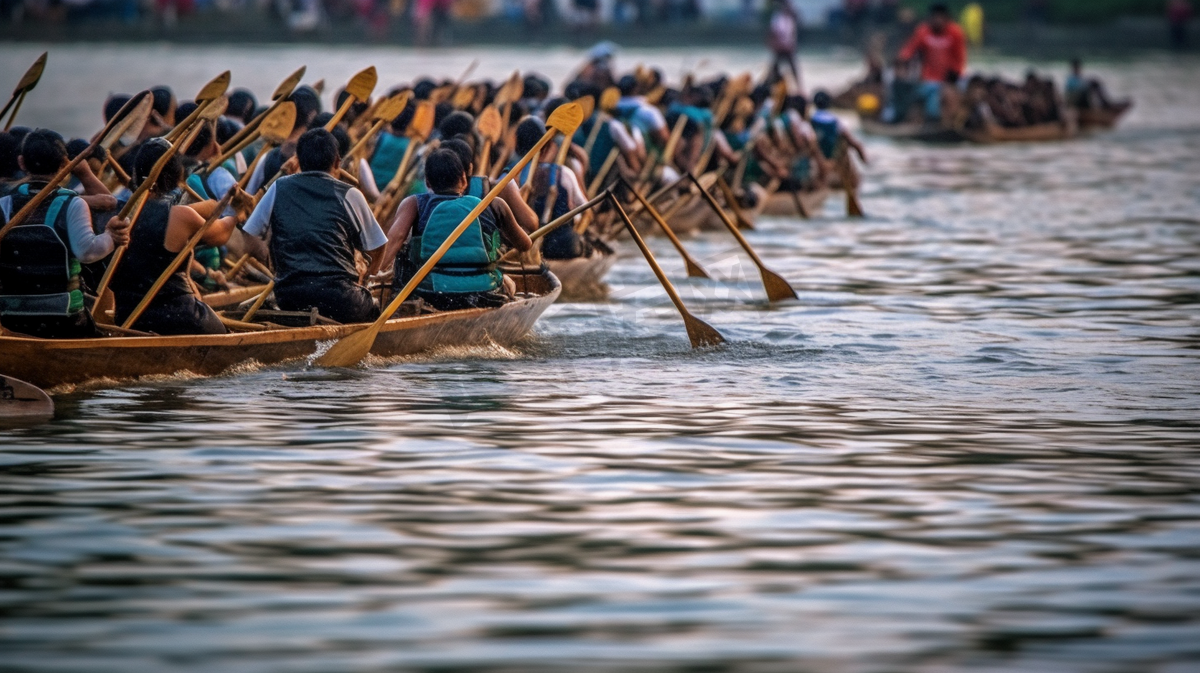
x=1033, y=26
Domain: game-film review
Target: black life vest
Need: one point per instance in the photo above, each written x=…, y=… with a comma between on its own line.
x=145, y=259
x=311, y=230
x=39, y=274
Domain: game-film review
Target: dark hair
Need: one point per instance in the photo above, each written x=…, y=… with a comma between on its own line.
x=822, y=100
x=78, y=145
x=627, y=84
x=534, y=86
x=321, y=120
x=10, y=149
x=400, y=124
x=939, y=8
x=114, y=104
x=203, y=139
x=356, y=108
x=185, y=108
x=226, y=128
x=241, y=105
x=529, y=132
x=44, y=151
x=343, y=140
x=440, y=112
x=456, y=123
x=148, y=155
x=466, y=154
x=422, y=89
x=163, y=97
x=551, y=105
x=308, y=105
x=317, y=150
x=443, y=171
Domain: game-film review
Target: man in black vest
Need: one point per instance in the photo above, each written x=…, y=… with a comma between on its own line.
x=317, y=223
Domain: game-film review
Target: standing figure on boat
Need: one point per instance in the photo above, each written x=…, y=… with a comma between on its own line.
x=316, y=224
x=942, y=48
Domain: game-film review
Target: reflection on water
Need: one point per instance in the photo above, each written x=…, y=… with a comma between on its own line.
x=971, y=444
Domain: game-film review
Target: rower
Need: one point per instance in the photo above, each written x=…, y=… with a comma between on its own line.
x=308, y=106
x=612, y=134
x=163, y=229
x=479, y=185
x=40, y=288
x=564, y=242
x=211, y=186
x=637, y=114
x=831, y=132
x=317, y=223
x=10, y=169
x=390, y=146
x=467, y=276
x=942, y=46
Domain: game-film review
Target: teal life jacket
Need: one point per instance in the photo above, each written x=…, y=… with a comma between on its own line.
x=39, y=274
x=208, y=256
x=470, y=265
x=601, y=147
x=385, y=160
x=828, y=132
x=477, y=187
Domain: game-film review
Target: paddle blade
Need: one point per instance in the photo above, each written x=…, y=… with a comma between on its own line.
x=132, y=117
x=777, y=288
x=694, y=270
x=700, y=333
x=566, y=118
x=214, y=109
x=511, y=90
x=391, y=107
x=362, y=84
x=609, y=99
x=350, y=349
x=278, y=125
x=215, y=88
x=588, y=103
x=422, y=122
x=288, y=85
x=319, y=86
x=31, y=76
x=489, y=124
x=463, y=98
x=853, y=205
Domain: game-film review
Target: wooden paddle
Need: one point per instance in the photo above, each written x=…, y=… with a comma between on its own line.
x=359, y=89
x=133, y=113
x=418, y=130
x=24, y=86
x=490, y=126
x=274, y=130
x=694, y=270
x=699, y=332
x=604, y=170
x=211, y=91
x=557, y=222
x=23, y=402
x=731, y=200
x=383, y=113
x=137, y=201
x=184, y=253
x=585, y=104
x=258, y=301
x=666, y=157
x=777, y=288
x=849, y=179
x=281, y=93
x=608, y=103
x=352, y=348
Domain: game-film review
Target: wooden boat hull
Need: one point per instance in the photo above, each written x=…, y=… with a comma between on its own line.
x=910, y=131
x=583, y=278
x=232, y=296
x=55, y=362
x=781, y=204
x=990, y=135
x=1101, y=120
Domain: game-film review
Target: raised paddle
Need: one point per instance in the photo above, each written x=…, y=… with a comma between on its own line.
x=490, y=127
x=28, y=81
x=184, y=253
x=699, y=332
x=585, y=104
x=359, y=87
x=352, y=348
x=608, y=103
x=133, y=113
x=281, y=93
x=418, y=130
x=777, y=288
x=383, y=113
x=274, y=130
x=137, y=201
x=604, y=169
x=211, y=91
x=694, y=270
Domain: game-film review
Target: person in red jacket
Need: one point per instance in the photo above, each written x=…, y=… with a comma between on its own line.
x=942, y=47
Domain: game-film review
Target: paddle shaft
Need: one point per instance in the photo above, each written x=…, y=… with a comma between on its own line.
x=693, y=268
x=183, y=254
x=258, y=301
x=729, y=224
x=13, y=117
x=731, y=199
x=557, y=222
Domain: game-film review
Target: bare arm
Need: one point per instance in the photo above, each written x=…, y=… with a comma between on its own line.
x=185, y=222
x=398, y=231
x=511, y=196
x=512, y=232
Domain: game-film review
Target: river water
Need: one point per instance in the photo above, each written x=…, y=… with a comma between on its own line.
x=971, y=444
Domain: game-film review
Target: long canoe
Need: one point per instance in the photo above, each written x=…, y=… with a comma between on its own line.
x=1100, y=120
x=55, y=362
x=991, y=134
x=781, y=203
x=917, y=131
x=583, y=277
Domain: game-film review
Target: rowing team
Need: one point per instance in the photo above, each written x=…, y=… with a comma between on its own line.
x=295, y=196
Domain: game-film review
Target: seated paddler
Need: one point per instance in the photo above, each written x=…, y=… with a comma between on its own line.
x=550, y=178
x=162, y=230
x=467, y=276
x=316, y=223
x=41, y=292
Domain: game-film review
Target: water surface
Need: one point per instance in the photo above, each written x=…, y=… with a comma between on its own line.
x=971, y=444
